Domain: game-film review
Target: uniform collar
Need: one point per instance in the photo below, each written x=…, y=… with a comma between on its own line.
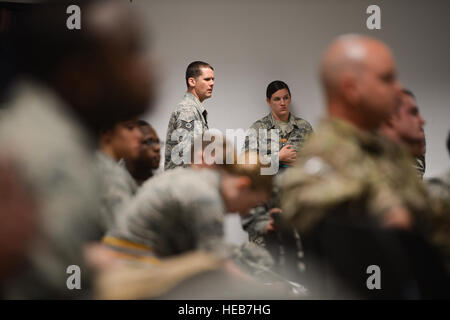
x=369, y=141
x=201, y=109
x=291, y=122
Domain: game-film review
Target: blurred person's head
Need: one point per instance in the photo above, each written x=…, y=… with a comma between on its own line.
x=151, y=146
x=279, y=99
x=359, y=78
x=243, y=186
x=211, y=149
x=141, y=168
x=405, y=125
x=122, y=140
x=18, y=221
x=200, y=79
x=101, y=71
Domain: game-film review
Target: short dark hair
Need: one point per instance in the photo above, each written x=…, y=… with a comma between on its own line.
x=409, y=93
x=274, y=86
x=193, y=70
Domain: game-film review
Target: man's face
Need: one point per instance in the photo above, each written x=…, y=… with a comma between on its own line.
x=150, y=148
x=380, y=91
x=408, y=123
x=203, y=84
x=126, y=139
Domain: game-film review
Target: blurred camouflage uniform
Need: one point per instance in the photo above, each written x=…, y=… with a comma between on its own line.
x=439, y=188
x=118, y=188
x=439, y=191
x=346, y=169
x=296, y=134
x=52, y=151
x=190, y=116
x=178, y=211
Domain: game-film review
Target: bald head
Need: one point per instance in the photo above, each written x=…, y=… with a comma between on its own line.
x=358, y=76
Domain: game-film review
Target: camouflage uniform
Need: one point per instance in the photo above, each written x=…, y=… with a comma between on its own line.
x=51, y=150
x=189, y=115
x=298, y=131
x=439, y=188
x=182, y=210
x=344, y=167
x=178, y=211
x=439, y=191
x=118, y=188
x=257, y=219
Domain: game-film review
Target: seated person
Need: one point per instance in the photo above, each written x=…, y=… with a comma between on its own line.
x=121, y=140
x=143, y=167
x=182, y=209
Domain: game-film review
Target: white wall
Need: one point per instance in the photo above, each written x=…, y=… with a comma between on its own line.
x=251, y=43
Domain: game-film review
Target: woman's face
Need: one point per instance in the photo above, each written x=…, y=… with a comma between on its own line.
x=279, y=103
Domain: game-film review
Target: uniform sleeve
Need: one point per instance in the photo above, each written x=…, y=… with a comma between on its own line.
x=184, y=127
x=207, y=226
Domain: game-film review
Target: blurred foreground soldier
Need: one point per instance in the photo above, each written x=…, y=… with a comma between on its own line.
x=293, y=131
x=121, y=141
x=405, y=127
x=348, y=176
x=167, y=219
x=189, y=118
x=182, y=210
x=75, y=82
x=142, y=168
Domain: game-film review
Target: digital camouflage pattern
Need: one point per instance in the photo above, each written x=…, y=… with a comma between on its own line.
x=51, y=150
x=297, y=132
x=188, y=118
